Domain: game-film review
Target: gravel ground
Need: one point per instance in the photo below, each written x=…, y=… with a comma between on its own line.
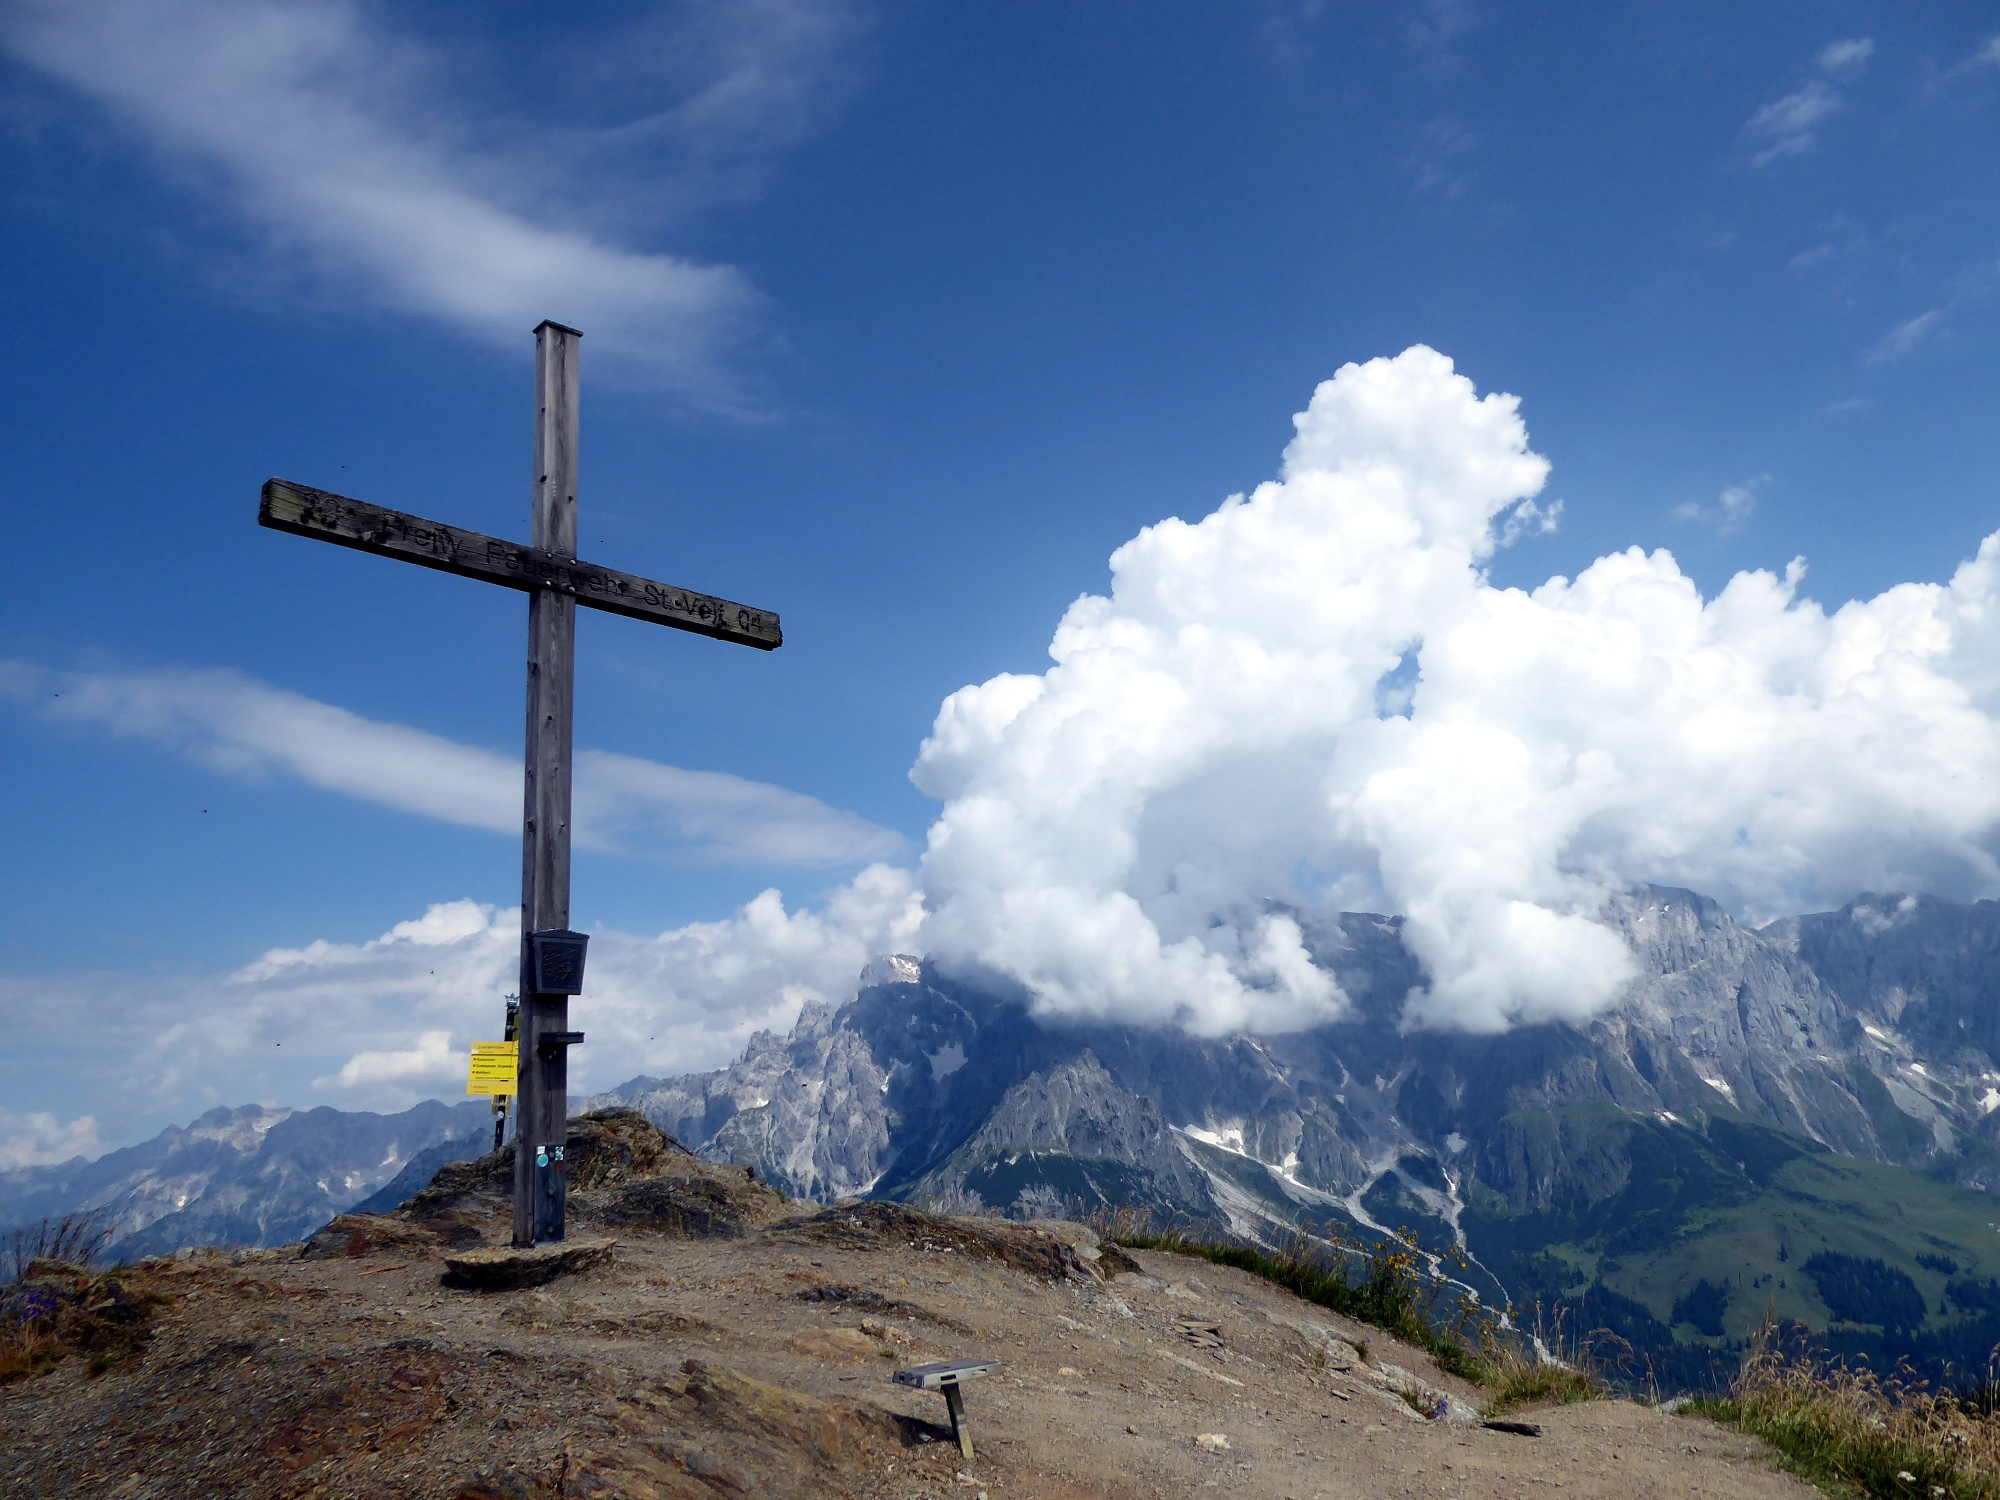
x=760, y=1365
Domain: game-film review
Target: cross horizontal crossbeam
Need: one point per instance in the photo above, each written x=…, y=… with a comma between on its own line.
x=305, y=511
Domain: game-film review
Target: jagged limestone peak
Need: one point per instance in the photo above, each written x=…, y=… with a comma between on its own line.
x=892, y=968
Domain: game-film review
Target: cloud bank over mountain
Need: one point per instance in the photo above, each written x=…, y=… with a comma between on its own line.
x=384, y=1023
x=1315, y=698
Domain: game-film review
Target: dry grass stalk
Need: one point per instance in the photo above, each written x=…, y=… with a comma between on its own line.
x=1389, y=1284
x=1556, y=1366
x=74, y=1239
x=1885, y=1435
x=54, y=1305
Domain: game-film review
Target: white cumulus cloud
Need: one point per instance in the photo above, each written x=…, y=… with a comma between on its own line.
x=686, y=998
x=37, y=1139
x=1315, y=698
x=382, y=1023
x=429, y=1062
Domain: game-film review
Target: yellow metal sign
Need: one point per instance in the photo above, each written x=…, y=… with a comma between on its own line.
x=494, y=1068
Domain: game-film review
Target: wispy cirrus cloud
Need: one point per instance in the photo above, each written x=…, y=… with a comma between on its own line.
x=1789, y=125
x=1848, y=58
x=1903, y=339
x=1986, y=55
x=1437, y=162
x=1289, y=30
x=1971, y=290
x=369, y=165
x=1434, y=30
x=242, y=727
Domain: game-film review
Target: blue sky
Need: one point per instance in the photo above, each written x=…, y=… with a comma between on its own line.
x=899, y=320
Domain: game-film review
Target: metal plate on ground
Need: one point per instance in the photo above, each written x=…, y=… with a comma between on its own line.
x=950, y=1372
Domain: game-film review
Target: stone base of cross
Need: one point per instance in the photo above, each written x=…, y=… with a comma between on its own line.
x=547, y=570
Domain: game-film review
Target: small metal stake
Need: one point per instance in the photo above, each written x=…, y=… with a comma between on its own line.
x=945, y=1379
x=954, y=1402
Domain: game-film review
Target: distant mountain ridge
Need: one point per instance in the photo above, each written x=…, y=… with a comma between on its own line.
x=1822, y=1093
x=1895, y=1059
x=249, y=1176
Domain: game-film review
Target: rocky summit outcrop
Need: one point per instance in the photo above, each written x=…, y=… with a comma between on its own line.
x=625, y=1177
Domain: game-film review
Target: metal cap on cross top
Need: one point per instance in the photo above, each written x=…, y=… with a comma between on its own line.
x=548, y=570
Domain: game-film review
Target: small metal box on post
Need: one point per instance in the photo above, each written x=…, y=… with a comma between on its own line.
x=946, y=1378
x=551, y=971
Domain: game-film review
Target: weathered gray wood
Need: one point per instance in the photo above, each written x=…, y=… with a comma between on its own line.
x=304, y=511
x=555, y=582
x=539, y=1187
x=961, y=1430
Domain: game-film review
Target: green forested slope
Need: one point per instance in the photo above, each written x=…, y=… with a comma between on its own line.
x=1680, y=1237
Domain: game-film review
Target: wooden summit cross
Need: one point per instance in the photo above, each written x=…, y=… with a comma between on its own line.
x=555, y=582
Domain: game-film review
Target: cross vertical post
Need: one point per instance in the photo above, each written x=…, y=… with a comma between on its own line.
x=555, y=581
x=542, y=1107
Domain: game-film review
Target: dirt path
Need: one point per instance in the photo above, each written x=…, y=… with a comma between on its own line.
x=364, y=1376
x=738, y=1346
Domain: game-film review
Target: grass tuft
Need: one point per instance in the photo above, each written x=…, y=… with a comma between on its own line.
x=1886, y=1437
x=74, y=1239
x=54, y=1304
x=1519, y=1373
x=1387, y=1285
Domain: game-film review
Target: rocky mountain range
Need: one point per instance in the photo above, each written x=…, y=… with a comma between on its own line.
x=1873, y=1031
x=1769, y=1119
x=1829, y=1083
x=249, y=1176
